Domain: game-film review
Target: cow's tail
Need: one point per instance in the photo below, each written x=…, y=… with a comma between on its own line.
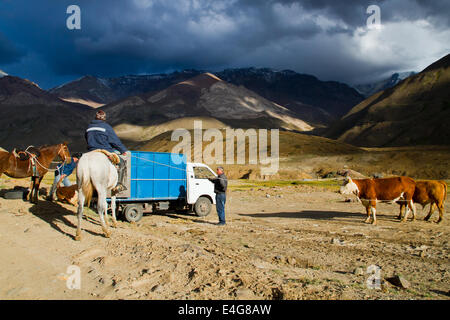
x=445, y=190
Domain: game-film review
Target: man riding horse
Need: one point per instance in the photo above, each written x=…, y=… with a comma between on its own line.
x=100, y=135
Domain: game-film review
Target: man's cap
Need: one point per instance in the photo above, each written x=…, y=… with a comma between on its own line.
x=100, y=115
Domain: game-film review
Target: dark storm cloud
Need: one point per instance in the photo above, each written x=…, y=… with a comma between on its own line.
x=8, y=51
x=322, y=37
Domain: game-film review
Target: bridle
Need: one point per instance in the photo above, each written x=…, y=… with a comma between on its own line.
x=40, y=164
x=64, y=153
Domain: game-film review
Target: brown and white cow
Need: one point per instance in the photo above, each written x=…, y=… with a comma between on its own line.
x=371, y=191
x=429, y=192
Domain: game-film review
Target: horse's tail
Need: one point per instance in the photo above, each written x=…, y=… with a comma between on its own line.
x=88, y=191
x=84, y=181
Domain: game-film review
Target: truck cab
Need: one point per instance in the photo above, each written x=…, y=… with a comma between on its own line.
x=200, y=191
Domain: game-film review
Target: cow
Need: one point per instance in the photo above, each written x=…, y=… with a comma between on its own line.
x=429, y=192
x=69, y=194
x=371, y=191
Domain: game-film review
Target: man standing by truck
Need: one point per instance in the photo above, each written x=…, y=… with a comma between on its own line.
x=220, y=188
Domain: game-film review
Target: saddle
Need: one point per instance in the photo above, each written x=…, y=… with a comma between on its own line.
x=114, y=158
x=27, y=154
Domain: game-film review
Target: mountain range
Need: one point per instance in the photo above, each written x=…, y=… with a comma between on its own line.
x=414, y=111
x=318, y=102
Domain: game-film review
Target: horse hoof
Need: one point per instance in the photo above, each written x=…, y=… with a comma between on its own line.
x=107, y=234
x=77, y=238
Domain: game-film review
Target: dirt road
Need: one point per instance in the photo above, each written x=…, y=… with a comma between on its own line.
x=292, y=242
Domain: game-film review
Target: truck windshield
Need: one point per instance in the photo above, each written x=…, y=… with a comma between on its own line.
x=202, y=173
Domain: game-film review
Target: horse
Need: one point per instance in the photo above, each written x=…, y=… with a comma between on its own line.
x=95, y=171
x=15, y=167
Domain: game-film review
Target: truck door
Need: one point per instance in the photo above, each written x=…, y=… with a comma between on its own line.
x=198, y=183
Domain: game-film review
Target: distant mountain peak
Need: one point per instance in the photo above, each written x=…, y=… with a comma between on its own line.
x=369, y=89
x=204, y=80
x=3, y=74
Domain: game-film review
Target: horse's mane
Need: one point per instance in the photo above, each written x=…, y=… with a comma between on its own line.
x=45, y=146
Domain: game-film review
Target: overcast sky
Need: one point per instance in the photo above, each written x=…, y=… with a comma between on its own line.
x=325, y=38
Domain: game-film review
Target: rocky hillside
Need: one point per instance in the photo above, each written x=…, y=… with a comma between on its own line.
x=32, y=116
x=97, y=92
x=414, y=112
x=204, y=96
x=318, y=102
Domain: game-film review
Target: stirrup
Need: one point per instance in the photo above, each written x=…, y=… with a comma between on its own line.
x=119, y=188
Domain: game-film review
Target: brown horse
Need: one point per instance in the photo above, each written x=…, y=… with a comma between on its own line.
x=14, y=167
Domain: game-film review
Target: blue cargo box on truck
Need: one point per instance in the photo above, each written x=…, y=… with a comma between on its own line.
x=162, y=181
x=156, y=176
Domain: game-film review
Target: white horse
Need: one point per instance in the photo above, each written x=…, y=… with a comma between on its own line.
x=95, y=170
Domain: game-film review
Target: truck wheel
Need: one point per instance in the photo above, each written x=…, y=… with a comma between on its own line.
x=14, y=195
x=202, y=207
x=133, y=212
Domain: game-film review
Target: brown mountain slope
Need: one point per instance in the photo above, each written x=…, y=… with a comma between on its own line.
x=204, y=96
x=32, y=116
x=305, y=156
x=415, y=112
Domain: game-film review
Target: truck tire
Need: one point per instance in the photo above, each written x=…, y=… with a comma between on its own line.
x=202, y=207
x=133, y=212
x=14, y=195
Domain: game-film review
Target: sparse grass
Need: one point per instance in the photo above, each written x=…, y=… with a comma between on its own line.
x=314, y=267
x=249, y=184
x=337, y=281
x=50, y=176
x=358, y=285
x=308, y=281
x=277, y=271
